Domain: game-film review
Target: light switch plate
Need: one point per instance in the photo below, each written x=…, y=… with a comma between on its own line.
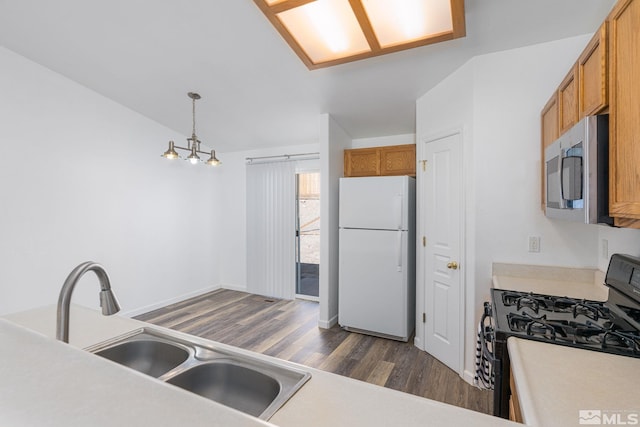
x=534, y=243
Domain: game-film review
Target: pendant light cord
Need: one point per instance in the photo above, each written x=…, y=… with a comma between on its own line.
x=194, y=117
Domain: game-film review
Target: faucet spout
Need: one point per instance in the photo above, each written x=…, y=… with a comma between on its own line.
x=108, y=300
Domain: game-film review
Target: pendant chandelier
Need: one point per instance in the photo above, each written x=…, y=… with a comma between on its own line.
x=193, y=143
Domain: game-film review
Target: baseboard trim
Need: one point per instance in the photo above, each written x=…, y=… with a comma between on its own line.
x=234, y=287
x=418, y=343
x=160, y=304
x=328, y=324
x=468, y=376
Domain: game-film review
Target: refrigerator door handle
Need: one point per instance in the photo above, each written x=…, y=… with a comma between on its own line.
x=399, y=251
x=398, y=209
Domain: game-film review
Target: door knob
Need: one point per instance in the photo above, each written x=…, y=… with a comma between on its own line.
x=452, y=265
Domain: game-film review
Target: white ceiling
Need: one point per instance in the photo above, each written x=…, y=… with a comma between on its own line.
x=147, y=54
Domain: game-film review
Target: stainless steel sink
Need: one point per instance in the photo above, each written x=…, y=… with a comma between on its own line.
x=234, y=385
x=150, y=357
x=251, y=384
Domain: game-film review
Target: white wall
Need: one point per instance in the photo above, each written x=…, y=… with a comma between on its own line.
x=505, y=92
x=82, y=179
x=618, y=240
x=381, y=141
x=233, y=216
x=333, y=141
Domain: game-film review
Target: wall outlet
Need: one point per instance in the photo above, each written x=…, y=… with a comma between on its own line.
x=534, y=243
x=604, y=249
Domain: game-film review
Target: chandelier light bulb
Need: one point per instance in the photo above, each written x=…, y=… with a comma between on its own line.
x=213, y=160
x=171, y=152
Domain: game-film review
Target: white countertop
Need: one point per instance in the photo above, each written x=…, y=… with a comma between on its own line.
x=584, y=290
x=46, y=382
x=555, y=382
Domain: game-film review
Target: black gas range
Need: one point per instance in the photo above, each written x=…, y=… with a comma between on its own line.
x=611, y=326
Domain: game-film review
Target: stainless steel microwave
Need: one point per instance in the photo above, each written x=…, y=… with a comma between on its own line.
x=577, y=172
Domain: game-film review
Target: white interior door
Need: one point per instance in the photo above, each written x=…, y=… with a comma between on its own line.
x=442, y=193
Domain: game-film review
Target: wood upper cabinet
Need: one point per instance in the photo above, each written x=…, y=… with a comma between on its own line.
x=549, y=118
x=568, y=100
x=362, y=162
x=398, y=160
x=550, y=132
x=380, y=161
x=592, y=75
x=624, y=117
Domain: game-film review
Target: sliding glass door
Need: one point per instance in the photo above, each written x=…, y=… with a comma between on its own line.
x=308, y=234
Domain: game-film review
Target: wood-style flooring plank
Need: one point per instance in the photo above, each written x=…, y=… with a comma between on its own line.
x=288, y=330
x=380, y=373
x=371, y=361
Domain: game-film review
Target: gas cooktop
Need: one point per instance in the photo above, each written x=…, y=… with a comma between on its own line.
x=594, y=325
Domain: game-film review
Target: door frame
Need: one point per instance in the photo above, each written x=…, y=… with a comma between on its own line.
x=466, y=267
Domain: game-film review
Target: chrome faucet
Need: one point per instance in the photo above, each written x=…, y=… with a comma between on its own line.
x=108, y=300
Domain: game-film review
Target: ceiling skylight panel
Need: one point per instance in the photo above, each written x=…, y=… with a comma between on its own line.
x=403, y=21
x=325, y=29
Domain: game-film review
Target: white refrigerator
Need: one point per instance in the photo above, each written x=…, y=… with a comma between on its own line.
x=377, y=275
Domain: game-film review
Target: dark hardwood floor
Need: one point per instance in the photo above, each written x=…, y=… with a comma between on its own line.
x=289, y=330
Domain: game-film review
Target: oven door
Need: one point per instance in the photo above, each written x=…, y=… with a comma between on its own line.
x=485, y=360
x=495, y=351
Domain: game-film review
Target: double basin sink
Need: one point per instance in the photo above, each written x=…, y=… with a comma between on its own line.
x=249, y=384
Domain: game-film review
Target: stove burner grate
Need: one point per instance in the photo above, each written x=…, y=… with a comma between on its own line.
x=629, y=340
x=606, y=335
x=594, y=310
x=521, y=300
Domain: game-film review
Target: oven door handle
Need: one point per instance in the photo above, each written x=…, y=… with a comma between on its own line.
x=487, y=332
x=489, y=355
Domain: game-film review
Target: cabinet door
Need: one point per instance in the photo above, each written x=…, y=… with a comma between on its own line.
x=398, y=160
x=362, y=162
x=568, y=100
x=515, y=413
x=624, y=85
x=549, y=133
x=549, y=118
x=592, y=74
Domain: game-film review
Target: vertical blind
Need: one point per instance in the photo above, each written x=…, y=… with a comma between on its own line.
x=271, y=229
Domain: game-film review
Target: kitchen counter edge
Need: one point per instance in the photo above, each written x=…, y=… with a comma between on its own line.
x=327, y=399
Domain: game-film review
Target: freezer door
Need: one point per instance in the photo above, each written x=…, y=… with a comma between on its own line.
x=380, y=203
x=373, y=281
